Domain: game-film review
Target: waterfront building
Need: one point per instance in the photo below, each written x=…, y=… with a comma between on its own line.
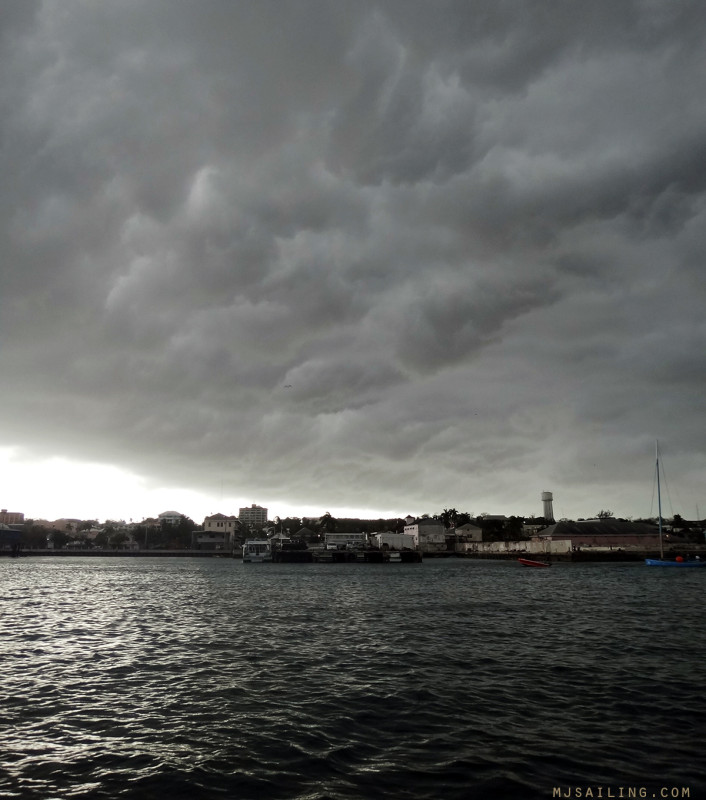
x=217, y=534
x=211, y=540
x=604, y=534
x=345, y=540
x=10, y=539
x=393, y=541
x=429, y=534
x=255, y=516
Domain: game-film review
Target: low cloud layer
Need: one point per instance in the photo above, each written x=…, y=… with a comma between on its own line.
x=394, y=256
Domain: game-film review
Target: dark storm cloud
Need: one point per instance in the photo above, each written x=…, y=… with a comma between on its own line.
x=384, y=254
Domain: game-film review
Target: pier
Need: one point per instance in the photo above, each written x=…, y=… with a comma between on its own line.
x=346, y=557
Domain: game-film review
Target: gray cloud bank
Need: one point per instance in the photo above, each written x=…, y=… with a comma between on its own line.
x=392, y=255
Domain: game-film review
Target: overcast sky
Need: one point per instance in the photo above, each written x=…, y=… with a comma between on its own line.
x=380, y=257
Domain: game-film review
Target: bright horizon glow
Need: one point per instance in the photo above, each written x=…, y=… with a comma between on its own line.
x=60, y=488
x=55, y=487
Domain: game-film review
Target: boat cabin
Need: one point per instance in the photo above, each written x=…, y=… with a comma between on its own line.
x=256, y=550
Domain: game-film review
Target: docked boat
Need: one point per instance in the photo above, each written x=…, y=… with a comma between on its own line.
x=256, y=551
x=680, y=561
x=528, y=562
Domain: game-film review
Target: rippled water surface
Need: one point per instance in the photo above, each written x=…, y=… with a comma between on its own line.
x=207, y=678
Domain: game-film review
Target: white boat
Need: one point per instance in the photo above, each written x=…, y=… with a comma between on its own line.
x=255, y=551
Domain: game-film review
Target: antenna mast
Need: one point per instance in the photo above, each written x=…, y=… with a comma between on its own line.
x=659, y=502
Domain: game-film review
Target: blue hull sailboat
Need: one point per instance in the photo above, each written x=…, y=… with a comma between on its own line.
x=660, y=562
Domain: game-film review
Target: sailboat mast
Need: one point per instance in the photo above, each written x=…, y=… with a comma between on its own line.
x=659, y=503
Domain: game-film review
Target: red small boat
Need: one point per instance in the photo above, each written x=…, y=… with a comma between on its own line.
x=528, y=562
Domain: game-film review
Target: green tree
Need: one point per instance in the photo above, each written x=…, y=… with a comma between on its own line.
x=493, y=530
x=292, y=524
x=59, y=539
x=327, y=524
x=101, y=539
x=448, y=517
x=139, y=534
x=118, y=539
x=513, y=529
x=35, y=536
x=178, y=537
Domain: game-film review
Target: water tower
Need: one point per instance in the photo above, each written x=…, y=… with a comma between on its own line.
x=548, y=511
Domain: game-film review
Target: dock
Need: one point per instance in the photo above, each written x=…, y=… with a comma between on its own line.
x=346, y=557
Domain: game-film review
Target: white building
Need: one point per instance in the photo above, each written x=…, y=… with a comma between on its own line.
x=255, y=516
x=170, y=517
x=429, y=534
x=393, y=541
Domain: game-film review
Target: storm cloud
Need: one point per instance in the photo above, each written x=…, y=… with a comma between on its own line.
x=387, y=255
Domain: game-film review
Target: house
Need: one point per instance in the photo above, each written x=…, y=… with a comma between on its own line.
x=210, y=540
x=217, y=533
x=170, y=518
x=464, y=538
x=469, y=533
x=304, y=534
x=220, y=523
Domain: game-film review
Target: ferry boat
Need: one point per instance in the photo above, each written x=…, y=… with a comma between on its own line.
x=256, y=551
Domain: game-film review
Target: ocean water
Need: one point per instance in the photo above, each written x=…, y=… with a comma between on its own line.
x=207, y=678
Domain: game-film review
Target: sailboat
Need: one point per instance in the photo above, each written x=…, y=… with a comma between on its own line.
x=660, y=562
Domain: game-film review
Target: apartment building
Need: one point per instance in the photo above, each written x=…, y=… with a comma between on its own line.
x=255, y=516
x=11, y=517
